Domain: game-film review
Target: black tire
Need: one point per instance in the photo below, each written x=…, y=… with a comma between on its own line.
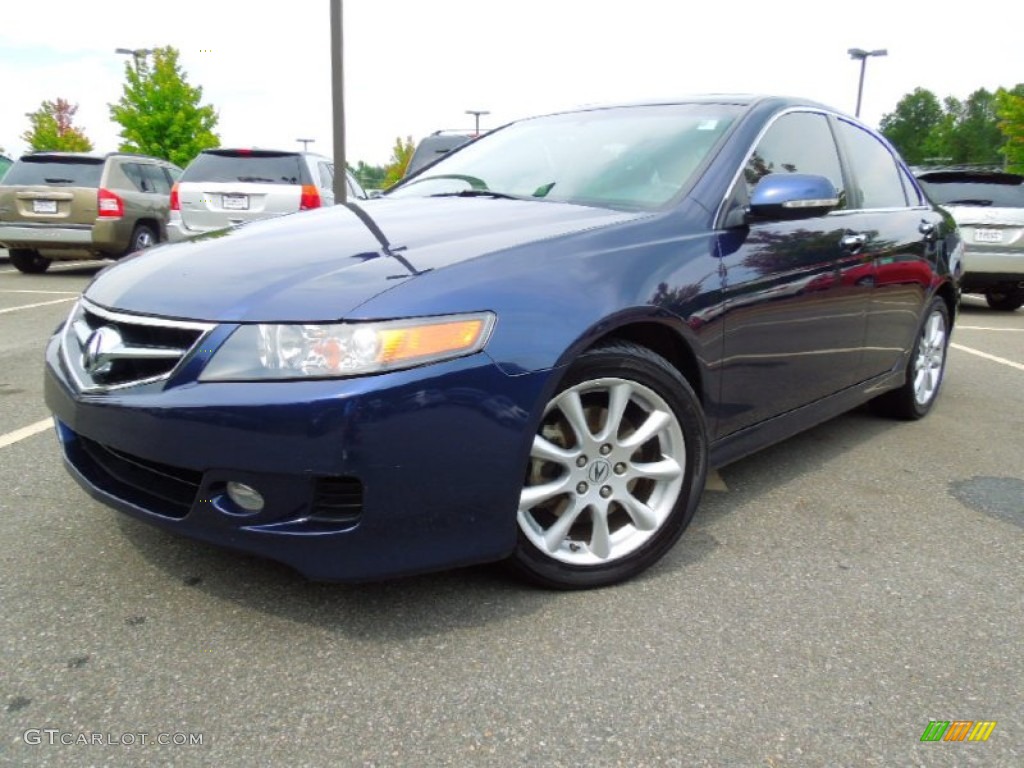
x=143, y=237
x=28, y=261
x=925, y=369
x=612, y=516
x=1008, y=300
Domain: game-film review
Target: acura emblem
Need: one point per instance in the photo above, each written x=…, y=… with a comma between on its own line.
x=99, y=348
x=598, y=471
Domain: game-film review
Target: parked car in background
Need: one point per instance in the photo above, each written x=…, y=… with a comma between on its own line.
x=989, y=207
x=533, y=350
x=70, y=205
x=435, y=146
x=5, y=163
x=224, y=187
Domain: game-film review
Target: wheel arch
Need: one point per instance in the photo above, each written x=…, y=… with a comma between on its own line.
x=664, y=340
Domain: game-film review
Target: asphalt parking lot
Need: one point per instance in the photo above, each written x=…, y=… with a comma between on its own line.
x=835, y=594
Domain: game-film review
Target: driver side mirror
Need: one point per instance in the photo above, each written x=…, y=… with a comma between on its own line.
x=792, y=196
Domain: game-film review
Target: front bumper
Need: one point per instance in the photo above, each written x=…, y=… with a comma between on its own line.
x=436, y=453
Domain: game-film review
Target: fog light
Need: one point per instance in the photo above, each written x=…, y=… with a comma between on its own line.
x=247, y=497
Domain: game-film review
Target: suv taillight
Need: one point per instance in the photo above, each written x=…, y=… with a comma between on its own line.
x=175, y=202
x=310, y=198
x=108, y=204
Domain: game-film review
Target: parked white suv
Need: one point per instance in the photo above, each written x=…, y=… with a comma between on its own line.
x=224, y=187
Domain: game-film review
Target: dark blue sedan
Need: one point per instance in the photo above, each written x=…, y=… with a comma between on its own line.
x=532, y=350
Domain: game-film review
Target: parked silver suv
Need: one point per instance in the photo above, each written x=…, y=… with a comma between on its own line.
x=224, y=187
x=989, y=207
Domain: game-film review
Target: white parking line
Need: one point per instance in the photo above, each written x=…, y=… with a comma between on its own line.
x=32, y=306
x=986, y=328
x=20, y=434
x=987, y=356
x=56, y=293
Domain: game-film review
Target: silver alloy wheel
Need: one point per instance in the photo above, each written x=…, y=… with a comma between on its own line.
x=606, y=470
x=144, y=239
x=931, y=357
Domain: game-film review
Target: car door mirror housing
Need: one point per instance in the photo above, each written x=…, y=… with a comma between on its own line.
x=792, y=196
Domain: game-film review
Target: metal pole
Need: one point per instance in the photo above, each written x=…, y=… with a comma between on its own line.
x=860, y=86
x=338, y=98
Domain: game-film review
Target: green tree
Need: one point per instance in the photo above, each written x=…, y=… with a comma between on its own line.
x=53, y=128
x=400, y=156
x=909, y=127
x=160, y=113
x=1010, y=111
x=369, y=176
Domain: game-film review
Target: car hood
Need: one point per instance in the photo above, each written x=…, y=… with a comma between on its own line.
x=320, y=265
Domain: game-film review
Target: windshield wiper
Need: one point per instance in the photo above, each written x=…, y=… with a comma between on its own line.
x=256, y=179
x=479, y=193
x=59, y=181
x=969, y=201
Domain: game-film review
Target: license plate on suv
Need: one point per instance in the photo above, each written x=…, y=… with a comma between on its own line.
x=988, y=236
x=44, y=206
x=235, y=202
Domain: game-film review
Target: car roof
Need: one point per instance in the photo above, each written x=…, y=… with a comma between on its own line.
x=737, y=99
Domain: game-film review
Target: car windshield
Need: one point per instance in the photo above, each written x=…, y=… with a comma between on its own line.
x=626, y=157
x=995, y=191
x=252, y=167
x=60, y=171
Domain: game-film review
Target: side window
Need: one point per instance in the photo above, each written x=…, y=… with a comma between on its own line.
x=798, y=142
x=155, y=179
x=133, y=172
x=874, y=169
x=326, y=176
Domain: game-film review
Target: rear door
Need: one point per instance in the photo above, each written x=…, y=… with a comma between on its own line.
x=899, y=241
x=225, y=187
x=51, y=189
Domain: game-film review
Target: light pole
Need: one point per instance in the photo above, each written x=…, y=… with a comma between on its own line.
x=305, y=143
x=338, y=99
x=860, y=53
x=136, y=53
x=476, y=113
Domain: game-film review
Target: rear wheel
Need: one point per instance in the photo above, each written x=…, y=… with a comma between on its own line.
x=615, y=472
x=143, y=236
x=28, y=261
x=925, y=369
x=1006, y=300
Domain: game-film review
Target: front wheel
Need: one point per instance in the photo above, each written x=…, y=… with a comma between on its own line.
x=615, y=471
x=925, y=369
x=1008, y=300
x=28, y=261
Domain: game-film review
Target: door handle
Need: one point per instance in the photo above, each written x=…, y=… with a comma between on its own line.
x=928, y=229
x=853, y=242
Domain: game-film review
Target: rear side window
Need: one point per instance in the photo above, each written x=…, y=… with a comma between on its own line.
x=326, y=175
x=798, y=142
x=53, y=171
x=249, y=167
x=876, y=174
x=996, y=191
x=155, y=178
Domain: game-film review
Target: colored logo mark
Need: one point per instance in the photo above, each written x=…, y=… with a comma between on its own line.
x=958, y=730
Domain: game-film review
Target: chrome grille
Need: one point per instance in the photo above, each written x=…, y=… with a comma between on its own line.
x=106, y=350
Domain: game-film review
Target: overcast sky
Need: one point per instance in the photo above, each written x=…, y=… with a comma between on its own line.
x=414, y=66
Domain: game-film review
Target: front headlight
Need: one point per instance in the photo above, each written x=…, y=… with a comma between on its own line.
x=267, y=352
